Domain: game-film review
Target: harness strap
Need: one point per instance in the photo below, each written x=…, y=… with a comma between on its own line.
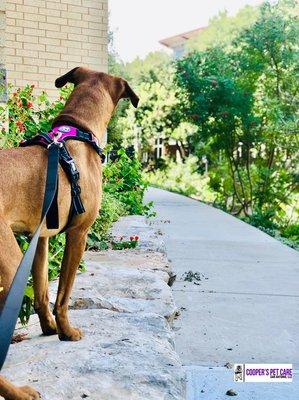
x=61, y=135
x=13, y=302
x=69, y=166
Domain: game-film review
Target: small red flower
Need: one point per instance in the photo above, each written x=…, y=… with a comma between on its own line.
x=29, y=104
x=136, y=238
x=20, y=104
x=131, y=238
x=20, y=125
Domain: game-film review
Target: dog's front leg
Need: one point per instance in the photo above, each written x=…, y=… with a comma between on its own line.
x=75, y=246
x=40, y=286
x=10, y=392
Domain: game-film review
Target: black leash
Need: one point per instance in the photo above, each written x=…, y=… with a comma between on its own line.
x=13, y=303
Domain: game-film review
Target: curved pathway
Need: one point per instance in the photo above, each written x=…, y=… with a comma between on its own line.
x=244, y=308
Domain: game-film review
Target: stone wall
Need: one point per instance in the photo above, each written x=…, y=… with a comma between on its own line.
x=44, y=39
x=124, y=304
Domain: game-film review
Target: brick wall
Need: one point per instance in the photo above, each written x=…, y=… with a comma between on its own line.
x=2, y=31
x=44, y=39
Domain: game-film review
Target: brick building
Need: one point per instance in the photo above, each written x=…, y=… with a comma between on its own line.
x=41, y=39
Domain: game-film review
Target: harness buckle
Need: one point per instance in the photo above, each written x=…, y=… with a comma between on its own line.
x=76, y=190
x=56, y=137
x=75, y=173
x=55, y=143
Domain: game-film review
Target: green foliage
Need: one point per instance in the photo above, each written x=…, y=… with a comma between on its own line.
x=28, y=114
x=3, y=85
x=27, y=305
x=111, y=210
x=182, y=178
x=244, y=101
x=158, y=115
x=139, y=69
x=124, y=244
x=123, y=179
x=288, y=235
x=135, y=72
x=292, y=233
x=222, y=29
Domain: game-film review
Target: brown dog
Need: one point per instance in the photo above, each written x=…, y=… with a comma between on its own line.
x=22, y=183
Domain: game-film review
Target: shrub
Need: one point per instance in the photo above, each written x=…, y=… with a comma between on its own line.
x=182, y=178
x=111, y=210
x=123, y=179
x=291, y=232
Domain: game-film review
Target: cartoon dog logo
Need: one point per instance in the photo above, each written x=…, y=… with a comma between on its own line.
x=238, y=373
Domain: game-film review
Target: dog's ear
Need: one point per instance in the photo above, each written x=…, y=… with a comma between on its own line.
x=69, y=77
x=130, y=94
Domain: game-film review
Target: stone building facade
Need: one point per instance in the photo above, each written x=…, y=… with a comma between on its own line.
x=41, y=39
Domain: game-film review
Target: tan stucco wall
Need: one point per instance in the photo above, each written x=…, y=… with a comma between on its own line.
x=44, y=39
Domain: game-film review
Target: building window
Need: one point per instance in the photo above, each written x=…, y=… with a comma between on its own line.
x=158, y=148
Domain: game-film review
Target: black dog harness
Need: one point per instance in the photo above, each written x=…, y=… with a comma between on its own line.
x=60, y=135
x=55, y=142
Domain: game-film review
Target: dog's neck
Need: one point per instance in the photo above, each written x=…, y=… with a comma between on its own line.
x=89, y=111
x=68, y=119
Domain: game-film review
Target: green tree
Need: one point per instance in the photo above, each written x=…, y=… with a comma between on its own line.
x=244, y=100
x=138, y=69
x=222, y=29
x=158, y=113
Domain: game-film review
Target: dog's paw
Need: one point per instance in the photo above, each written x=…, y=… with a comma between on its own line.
x=72, y=335
x=47, y=322
x=27, y=393
x=49, y=329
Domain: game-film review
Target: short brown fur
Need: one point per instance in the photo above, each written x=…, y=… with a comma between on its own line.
x=22, y=182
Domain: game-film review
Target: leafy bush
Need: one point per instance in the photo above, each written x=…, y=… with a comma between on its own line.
x=123, y=179
x=125, y=244
x=28, y=114
x=291, y=232
x=182, y=178
x=111, y=210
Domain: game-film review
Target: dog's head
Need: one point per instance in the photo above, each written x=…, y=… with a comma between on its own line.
x=117, y=87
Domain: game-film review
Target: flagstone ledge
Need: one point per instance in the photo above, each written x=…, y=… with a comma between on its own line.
x=125, y=307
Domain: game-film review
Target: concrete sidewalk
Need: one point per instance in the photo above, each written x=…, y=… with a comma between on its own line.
x=240, y=307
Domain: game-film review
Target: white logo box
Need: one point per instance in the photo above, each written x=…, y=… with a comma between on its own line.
x=273, y=373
